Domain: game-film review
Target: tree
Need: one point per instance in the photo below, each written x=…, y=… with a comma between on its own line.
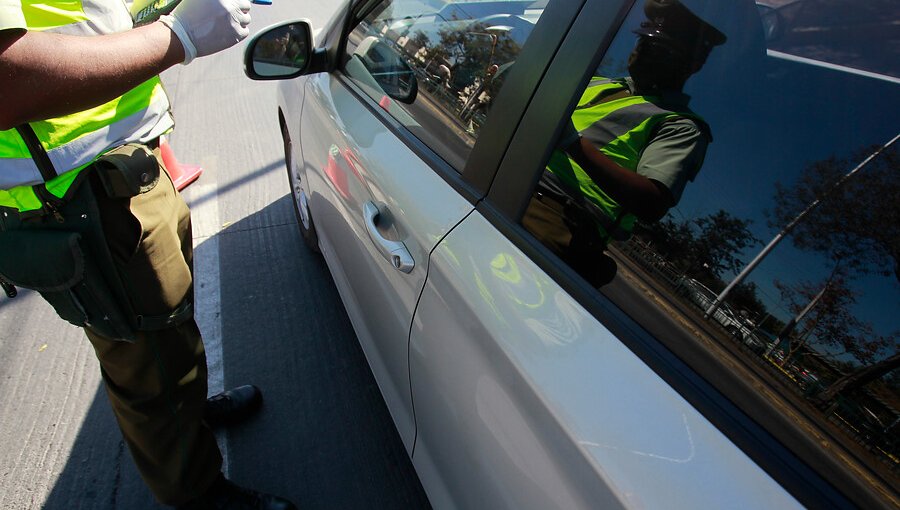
x=857, y=223
x=702, y=248
x=421, y=41
x=745, y=297
x=831, y=321
x=673, y=240
x=466, y=58
x=475, y=68
x=722, y=237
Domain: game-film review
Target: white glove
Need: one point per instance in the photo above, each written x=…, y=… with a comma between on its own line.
x=207, y=26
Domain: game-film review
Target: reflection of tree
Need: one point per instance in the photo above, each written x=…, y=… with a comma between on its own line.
x=794, y=221
x=703, y=248
x=745, y=296
x=830, y=320
x=722, y=237
x=421, y=41
x=856, y=224
x=465, y=61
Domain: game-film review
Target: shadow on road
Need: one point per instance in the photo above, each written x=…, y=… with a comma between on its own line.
x=99, y=473
x=324, y=437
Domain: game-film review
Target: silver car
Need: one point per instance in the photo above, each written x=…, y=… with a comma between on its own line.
x=417, y=133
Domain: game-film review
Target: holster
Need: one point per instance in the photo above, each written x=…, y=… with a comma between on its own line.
x=67, y=260
x=61, y=266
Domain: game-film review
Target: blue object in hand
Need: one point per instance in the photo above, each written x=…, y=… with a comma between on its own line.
x=261, y=2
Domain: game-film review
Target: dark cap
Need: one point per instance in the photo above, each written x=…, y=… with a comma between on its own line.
x=671, y=21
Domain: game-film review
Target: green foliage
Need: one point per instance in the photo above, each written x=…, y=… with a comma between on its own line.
x=703, y=248
x=744, y=297
x=831, y=321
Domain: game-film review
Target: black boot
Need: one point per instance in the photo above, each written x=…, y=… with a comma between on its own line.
x=224, y=495
x=231, y=406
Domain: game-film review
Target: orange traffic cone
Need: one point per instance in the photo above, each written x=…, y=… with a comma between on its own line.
x=181, y=175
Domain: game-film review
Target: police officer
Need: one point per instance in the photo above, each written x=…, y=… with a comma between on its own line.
x=79, y=87
x=632, y=145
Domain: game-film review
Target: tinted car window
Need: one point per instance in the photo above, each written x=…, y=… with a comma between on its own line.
x=437, y=70
x=777, y=179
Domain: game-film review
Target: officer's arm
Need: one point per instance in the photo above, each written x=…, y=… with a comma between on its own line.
x=647, y=199
x=45, y=75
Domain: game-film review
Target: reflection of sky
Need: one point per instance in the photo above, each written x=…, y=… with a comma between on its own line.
x=770, y=118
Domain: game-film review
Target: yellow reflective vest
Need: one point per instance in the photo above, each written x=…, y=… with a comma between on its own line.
x=40, y=161
x=621, y=127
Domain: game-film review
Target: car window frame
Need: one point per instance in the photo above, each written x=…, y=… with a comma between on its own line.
x=787, y=454
x=474, y=180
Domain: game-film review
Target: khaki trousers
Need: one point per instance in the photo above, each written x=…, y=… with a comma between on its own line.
x=157, y=385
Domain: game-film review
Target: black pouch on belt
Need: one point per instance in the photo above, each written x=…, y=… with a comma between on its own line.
x=127, y=171
x=59, y=265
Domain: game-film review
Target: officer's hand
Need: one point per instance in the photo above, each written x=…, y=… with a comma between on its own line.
x=207, y=26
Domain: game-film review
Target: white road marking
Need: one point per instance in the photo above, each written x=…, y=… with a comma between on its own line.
x=207, y=289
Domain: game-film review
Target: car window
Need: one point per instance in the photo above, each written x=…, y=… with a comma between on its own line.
x=759, y=211
x=437, y=67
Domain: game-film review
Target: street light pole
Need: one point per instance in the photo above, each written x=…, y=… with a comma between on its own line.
x=789, y=327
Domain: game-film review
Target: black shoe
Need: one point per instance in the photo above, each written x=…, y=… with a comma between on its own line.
x=231, y=406
x=224, y=495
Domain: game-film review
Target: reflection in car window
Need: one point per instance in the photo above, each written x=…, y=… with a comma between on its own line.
x=861, y=36
x=438, y=70
x=760, y=205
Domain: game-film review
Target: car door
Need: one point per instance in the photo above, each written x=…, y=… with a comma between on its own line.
x=363, y=184
x=534, y=389
x=393, y=157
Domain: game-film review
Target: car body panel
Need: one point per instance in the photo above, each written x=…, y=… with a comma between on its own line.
x=350, y=158
x=529, y=402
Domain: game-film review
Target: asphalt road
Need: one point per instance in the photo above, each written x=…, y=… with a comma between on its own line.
x=270, y=315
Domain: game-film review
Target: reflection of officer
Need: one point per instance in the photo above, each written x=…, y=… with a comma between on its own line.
x=632, y=146
x=296, y=48
x=284, y=48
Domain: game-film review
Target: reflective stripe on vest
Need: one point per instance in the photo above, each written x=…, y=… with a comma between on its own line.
x=73, y=142
x=77, y=17
x=620, y=128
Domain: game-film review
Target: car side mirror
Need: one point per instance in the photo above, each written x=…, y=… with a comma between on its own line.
x=281, y=52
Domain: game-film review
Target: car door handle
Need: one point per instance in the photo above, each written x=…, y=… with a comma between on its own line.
x=394, y=252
